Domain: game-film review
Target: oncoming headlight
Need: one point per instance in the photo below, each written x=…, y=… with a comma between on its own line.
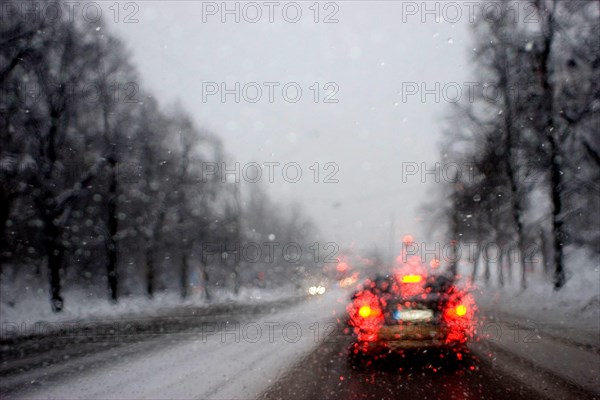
x=313, y=290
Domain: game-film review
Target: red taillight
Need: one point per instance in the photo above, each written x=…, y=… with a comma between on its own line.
x=368, y=311
x=364, y=311
x=459, y=316
x=365, y=315
x=457, y=312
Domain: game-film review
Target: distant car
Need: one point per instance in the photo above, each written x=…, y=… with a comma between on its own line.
x=399, y=311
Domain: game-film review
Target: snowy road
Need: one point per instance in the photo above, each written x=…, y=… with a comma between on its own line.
x=227, y=357
x=301, y=352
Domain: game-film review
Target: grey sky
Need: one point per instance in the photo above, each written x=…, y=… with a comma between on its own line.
x=369, y=133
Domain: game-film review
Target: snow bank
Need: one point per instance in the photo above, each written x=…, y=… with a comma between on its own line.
x=34, y=307
x=577, y=305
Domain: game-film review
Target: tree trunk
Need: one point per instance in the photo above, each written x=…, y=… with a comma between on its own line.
x=500, y=266
x=5, y=207
x=544, y=253
x=52, y=233
x=113, y=226
x=523, y=269
x=184, y=284
x=150, y=272
x=509, y=264
x=487, y=273
x=236, y=281
x=476, y=263
x=55, y=253
x=548, y=129
x=151, y=250
x=453, y=267
x=557, y=224
x=509, y=163
x=204, y=276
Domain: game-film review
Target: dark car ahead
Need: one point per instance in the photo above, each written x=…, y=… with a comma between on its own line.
x=399, y=311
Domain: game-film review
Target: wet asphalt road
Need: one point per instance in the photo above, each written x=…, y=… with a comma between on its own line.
x=328, y=373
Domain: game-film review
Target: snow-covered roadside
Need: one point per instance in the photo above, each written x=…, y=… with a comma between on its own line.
x=238, y=362
x=554, y=368
x=33, y=312
x=572, y=312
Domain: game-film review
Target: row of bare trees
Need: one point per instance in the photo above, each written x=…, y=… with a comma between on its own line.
x=98, y=183
x=530, y=152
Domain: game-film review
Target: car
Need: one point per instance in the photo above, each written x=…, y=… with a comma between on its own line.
x=401, y=310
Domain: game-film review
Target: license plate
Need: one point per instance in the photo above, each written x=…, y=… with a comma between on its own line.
x=414, y=315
